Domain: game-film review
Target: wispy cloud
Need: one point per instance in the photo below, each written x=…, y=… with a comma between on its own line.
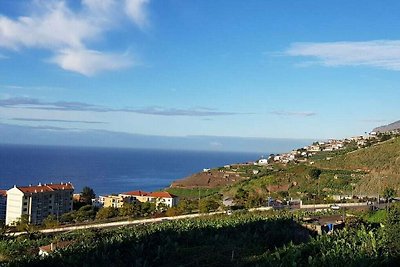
x=53, y=25
x=26, y=128
x=33, y=103
x=23, y=87
x=293, y=113
x=57, y=120
x=195, y=112
x=383, y=54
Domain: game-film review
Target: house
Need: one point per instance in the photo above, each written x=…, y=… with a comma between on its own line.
x=156, y=197
x=314, y=148
x=164, y=198
x=228, y=202
x=3, y=205
x=38, y=202
x=137, y=195
x=115, y=201
x=263, y=162
x=46, y=250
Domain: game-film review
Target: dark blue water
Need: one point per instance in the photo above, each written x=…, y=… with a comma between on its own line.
x=106, y=170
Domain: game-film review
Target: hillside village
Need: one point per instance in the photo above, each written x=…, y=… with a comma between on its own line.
x=303, y=154
x=270, y=176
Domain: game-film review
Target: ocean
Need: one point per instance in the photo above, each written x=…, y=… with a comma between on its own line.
x=106, y=170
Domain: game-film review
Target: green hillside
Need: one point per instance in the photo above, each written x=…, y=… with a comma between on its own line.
x=381, y=162
x=382, y=158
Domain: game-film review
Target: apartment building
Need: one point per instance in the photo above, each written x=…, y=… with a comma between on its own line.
x=38, y=201
x=3, y=205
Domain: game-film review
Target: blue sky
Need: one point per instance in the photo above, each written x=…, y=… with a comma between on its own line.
x=177, y=68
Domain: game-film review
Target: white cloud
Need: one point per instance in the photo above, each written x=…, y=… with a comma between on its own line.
x=136, y=10
x=383, y=54
x=293, y=113
x=56, y=26
x=90, y=62
x=67, y=33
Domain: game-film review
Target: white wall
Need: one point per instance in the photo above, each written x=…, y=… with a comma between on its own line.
x=15, y=199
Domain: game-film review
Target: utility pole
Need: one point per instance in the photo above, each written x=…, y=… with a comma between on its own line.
x=379, y=188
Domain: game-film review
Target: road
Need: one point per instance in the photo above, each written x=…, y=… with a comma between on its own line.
x=117, y=224
x=153, y=220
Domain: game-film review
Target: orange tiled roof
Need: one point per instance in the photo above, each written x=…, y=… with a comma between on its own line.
x=46, y=187
x=162, y=195
x=62, y=186
x=136, y=193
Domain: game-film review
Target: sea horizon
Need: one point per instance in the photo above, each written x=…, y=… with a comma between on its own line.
x=107, y=170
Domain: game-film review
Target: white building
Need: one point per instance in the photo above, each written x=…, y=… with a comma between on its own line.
x=38, y=202
x=166, y=198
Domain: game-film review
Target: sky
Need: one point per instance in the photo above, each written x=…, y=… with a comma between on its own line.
x=222, y=71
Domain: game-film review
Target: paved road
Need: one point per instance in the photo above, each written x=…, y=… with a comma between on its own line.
x=142, y=221
x=117, y=224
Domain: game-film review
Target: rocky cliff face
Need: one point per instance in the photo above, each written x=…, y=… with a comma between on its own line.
x=389, y=127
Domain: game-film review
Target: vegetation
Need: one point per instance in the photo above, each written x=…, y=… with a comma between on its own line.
x=382, y=158
x=242, y=239
x=207, y=241
x=87, y=195
x=314, y=173
x=193, y=193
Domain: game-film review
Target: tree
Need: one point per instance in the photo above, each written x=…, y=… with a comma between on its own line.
x=161, y=207
x=22, y=224
x=173, y=211
x=385, y=137
x=392, y=226
x=106, y=213
x=67, y=217
x=87, y=195
x=388, y=194
x=186, y=206
x=207, y=205
x=84, y=214
x=130, y=209
x=148, y=208
x=314, y=173
x=50, y=221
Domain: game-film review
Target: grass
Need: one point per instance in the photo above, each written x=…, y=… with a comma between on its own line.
x=193, y=192
x=376, y=216
x=383, y=158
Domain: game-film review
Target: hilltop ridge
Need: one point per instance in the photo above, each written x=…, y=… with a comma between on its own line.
x=364, y=165
x=390, y=127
